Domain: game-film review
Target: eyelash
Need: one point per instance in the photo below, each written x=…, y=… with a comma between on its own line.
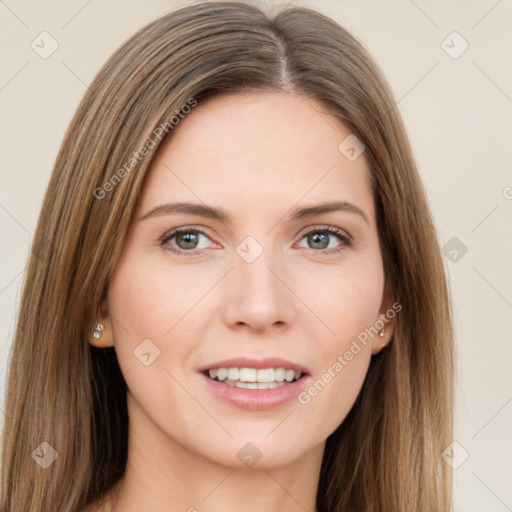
x=342, y=236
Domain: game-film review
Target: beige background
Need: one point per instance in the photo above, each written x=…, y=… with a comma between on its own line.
x=458, y=114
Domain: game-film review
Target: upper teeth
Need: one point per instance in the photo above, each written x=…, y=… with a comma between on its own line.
x=254, y=375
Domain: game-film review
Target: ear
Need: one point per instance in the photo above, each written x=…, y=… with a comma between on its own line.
x=103, y=336
x=386, y=320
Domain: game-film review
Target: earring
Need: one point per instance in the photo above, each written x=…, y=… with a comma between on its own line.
x=381, y=333
x=97, y=331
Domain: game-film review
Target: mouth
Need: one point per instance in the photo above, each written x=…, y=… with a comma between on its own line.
x=254, y=378
x=255, y=384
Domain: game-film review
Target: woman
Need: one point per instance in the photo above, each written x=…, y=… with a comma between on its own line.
x=236, y=295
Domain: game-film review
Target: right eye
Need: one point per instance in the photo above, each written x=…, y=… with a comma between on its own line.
x=184, y=241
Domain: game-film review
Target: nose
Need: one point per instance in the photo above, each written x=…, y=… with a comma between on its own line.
x=257, y=296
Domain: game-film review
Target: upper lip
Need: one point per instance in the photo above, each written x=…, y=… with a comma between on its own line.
x=245, y=362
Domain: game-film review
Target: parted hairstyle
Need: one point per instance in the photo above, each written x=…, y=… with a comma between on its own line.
x=386, y=454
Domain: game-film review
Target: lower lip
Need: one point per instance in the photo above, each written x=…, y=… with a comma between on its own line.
x=256, y=399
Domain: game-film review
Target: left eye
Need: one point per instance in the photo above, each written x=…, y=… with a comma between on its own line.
x=320, y=239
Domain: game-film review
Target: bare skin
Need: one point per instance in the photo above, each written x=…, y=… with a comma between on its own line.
x=258, y=157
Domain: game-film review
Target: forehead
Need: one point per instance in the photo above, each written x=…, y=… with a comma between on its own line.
x=258, y=149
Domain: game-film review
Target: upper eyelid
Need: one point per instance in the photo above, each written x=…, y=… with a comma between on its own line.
x=172, y=232
x=322, y=227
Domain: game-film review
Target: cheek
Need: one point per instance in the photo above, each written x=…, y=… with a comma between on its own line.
x=147, y=303
x=152, y=311
x=135, y=304
x=342, y=359
x=148, y=299
x=168, y=305
x=345, y=300
x=348, y=302
x=326, y=402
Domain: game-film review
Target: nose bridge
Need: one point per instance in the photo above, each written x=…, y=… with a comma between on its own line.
x=256, y=296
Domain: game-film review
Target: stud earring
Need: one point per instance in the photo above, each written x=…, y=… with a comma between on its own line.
x=97, y=331
x=381, y=333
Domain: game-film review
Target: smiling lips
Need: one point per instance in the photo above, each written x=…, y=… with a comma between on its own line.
x=249, y=373
x=256, y=384
x=253, y=378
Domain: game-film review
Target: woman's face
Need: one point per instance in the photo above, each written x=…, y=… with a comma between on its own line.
x=253, y=275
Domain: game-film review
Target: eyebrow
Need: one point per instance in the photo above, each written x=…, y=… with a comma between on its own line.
x=220, y=215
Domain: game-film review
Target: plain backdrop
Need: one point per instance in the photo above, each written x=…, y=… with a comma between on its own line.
x=449, y=66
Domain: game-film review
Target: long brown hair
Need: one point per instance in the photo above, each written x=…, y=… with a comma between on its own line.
x=386, y=455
